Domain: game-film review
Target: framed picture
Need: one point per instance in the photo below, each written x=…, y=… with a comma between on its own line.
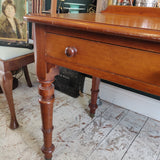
x=13, y=29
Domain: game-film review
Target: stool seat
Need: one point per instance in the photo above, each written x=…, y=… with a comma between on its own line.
x=7, y=53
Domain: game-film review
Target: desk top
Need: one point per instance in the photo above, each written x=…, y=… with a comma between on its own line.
x=117, y=42
x=138, y=25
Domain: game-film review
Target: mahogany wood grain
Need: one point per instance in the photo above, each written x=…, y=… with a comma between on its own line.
x=139, y=27
x=26, y=74
x=46, y=73
x=116, y=46
x=86, y=57
x=94, y=91
x=6, y=81
x=46, y=90
x=133, y=10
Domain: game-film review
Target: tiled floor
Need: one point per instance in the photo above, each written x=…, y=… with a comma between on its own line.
x=114, y=134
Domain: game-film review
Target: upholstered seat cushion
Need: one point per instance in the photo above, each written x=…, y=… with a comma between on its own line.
x=7, y=53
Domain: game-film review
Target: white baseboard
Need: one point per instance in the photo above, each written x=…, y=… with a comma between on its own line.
x=138, y=103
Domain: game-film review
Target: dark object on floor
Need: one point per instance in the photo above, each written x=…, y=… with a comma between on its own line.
x=69, y=82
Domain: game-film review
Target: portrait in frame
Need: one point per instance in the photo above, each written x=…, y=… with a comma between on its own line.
x=13, y=29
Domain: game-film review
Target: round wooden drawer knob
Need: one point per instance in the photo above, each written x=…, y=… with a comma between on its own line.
x=70, y=51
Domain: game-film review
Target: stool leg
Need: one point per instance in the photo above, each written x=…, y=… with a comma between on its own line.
x=6, y=82
x=26, y=74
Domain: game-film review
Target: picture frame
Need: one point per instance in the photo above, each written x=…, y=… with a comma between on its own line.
x=13, y=29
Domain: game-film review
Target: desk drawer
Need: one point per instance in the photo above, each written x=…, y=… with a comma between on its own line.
x=128, y=62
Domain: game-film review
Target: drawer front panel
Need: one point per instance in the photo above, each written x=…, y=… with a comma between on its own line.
x=132, y=63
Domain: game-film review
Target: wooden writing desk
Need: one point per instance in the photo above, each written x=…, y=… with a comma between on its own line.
x=121, y=45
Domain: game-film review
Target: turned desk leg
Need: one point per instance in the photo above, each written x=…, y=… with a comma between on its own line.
x=46, y=90
x=6, y=82
x=94, y=94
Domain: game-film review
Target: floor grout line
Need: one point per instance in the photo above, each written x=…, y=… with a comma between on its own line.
x=93, y=119
x=134, y=138
x=158, y=154
x=100, y=142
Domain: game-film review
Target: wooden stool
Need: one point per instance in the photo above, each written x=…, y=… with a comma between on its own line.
x=13, y=58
